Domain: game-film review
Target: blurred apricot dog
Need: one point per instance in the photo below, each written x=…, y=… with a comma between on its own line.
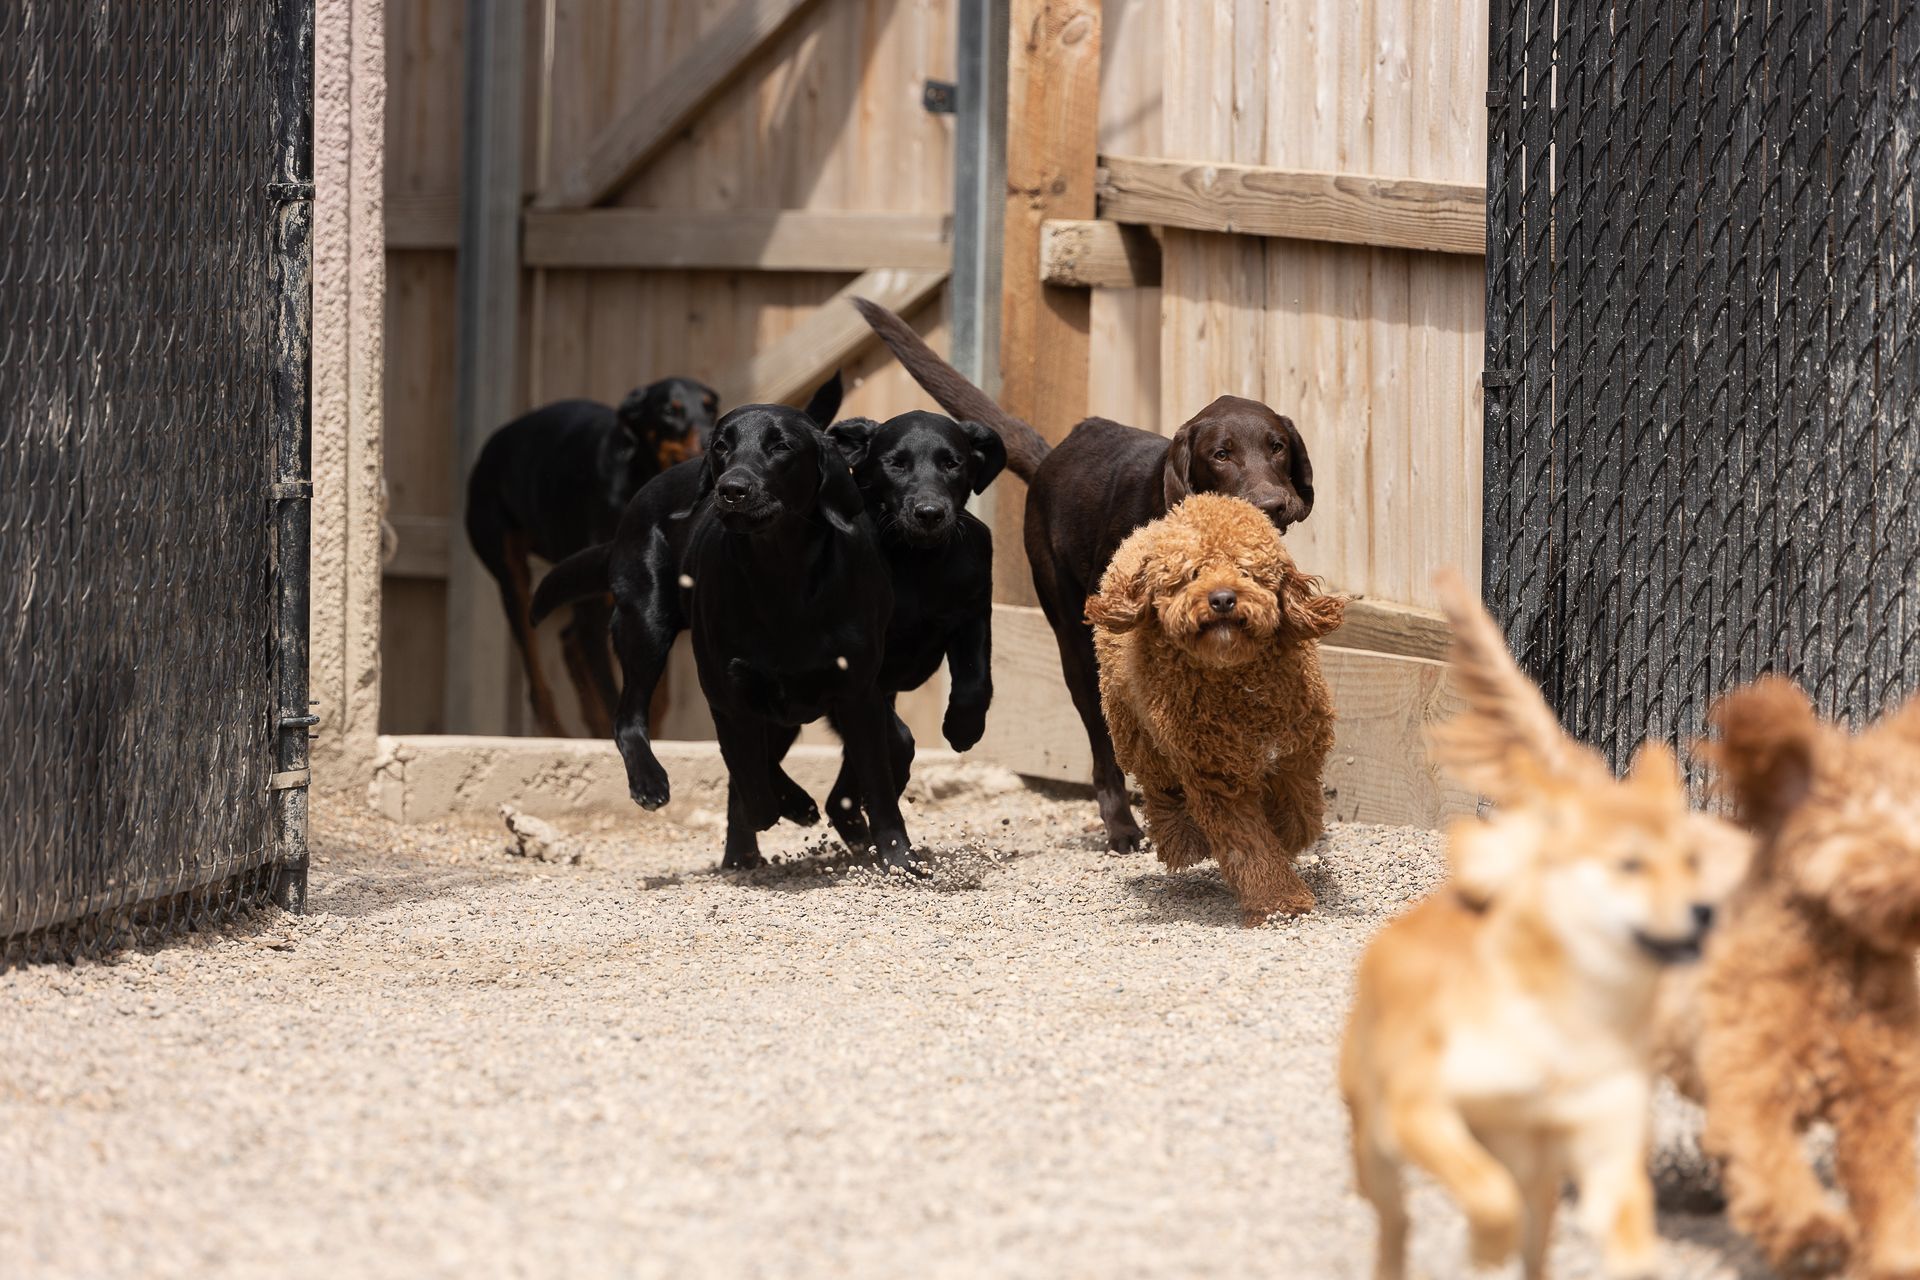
x=1806, y=1007
x=1211, y=686
x=1500, y=1034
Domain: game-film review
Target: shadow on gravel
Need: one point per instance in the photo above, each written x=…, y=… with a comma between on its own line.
x=1198, y=896
x=1735, y=1250
x=360, y=892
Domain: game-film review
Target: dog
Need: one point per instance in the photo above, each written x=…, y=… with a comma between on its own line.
x=1210, y=681
x=914, y=473
x=764, y=551
x=1104, y=481
x=554, y=482
x=1806, y=1005
x=1500, y=1034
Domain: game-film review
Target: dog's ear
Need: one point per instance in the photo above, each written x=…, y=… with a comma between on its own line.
x=853, y=437
x=1307, y=612
x=1769, y=740
x=633, y=412
x=989, y=453
x=825, y=404
x=1300, y=466
x=1176, y=478
x=1121, y=603
x=838, y=498
x=1655, y=773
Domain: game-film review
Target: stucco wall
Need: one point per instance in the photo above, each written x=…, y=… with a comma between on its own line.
x=349, y=285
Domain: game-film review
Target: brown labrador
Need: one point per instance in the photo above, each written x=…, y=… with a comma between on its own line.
x=1104, y=481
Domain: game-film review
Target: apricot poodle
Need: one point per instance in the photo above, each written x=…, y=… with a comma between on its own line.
x=1806, y=1007
x=1211, y=686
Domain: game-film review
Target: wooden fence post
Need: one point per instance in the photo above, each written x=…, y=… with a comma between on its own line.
x=1053, y=144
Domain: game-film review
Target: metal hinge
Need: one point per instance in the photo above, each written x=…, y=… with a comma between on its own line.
x=289, y=779
x=292, y=490
x=290, y=192
x=941, y=97
x=1498, y=377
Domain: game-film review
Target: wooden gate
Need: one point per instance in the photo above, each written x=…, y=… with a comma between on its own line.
x=697, y=180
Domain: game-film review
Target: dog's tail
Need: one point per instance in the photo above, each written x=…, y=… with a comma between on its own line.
x=580, y=576
x=1506, y=742
x=952, y=392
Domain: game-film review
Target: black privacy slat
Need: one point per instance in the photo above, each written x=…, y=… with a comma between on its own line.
x=1701, y=446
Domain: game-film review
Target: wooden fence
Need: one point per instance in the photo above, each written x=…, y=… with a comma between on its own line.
x=1276, y=198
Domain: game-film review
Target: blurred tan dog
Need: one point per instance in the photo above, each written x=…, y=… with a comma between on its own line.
x=1499, y=1037
x=1211, y=685
x=1807, y=1007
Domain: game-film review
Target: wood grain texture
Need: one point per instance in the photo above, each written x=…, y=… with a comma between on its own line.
x=1123, y=359
x=737, y=240
x=644, y=127
x=1053, y=95
x=1382, y=627
x=792, y=367
x=425, y=221
x=1091, y=253
x=1379, y=771
x=1299, y=204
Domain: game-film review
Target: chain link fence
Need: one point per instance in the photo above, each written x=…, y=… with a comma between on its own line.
x=1701, y=363
x=155, y=200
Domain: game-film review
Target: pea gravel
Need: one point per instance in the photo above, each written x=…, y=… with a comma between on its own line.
x=1042, y=1060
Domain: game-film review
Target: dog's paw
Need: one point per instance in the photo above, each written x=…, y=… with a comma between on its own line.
x=796, y=806
x=848, y=822
x=964, y=727
x=1818, y=1244
x=647, y=785
x=1493, y=1236
x=897, y=852
x=742, y=860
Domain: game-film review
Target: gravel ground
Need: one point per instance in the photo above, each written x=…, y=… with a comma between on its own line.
x=1042, y=1061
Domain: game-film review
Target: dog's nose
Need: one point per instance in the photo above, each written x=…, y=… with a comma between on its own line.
x=928, y=514
x=1222, y=601
x=733, y=490
x=1702, y=917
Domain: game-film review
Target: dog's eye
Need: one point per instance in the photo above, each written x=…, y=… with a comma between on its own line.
x=778, y=445
x=1222, y=454
x=708, y=401
x=949, y=464
x=1277, y=445
x=1630, y=866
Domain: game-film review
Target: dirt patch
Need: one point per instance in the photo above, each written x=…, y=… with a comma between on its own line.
x=1041, y=1060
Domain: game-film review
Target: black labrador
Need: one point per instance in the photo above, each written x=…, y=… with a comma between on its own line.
x=763, y=549
x=914, y=473
x=553, y=482
x=1104, y=481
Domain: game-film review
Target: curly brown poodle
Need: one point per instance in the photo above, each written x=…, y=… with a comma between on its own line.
x=1806, y=1006
x=1211, y=686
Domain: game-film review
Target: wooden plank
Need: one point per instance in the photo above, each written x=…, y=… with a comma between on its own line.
x=1378, y=772
x=654, y=119
x=736, y=240
x=479, y=671
x=1300, y=204
x=420, y=547
x=792, y=367
x=1380, y=627
x=429, y=221
x=1089, y=253
x=1053, y=144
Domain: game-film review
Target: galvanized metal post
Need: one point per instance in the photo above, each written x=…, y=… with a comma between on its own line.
x=979, y=198
x=979, y=190
x=292, y=409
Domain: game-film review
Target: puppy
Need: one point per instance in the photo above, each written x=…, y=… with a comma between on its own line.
x=555, y=481
x=1499, y=1036
x=763, y=550
x=1806, y=1006
x=914, y=473
x=1211, y=684
x=1104, y=481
